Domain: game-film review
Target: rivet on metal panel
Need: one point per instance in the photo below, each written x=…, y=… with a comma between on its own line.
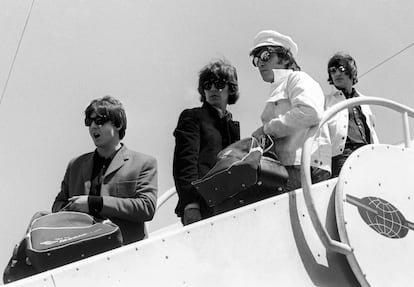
x=212, y=224
x=166, y=257
x=243, y=185
x=254, y=209
x=82, y=255
x=136, y=249
x=379, y=183
x=108, y=258
x=229, y=172
x=77, y=269
x=259, y=183
x=215, y=188
x=303, y=215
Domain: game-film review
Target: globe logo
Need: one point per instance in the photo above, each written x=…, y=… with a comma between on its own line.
x=381, y=216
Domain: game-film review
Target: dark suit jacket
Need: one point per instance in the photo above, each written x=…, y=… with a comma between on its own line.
x=199, y=136
x=129, y=189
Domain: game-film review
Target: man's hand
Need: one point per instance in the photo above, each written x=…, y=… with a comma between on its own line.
x=259, y=133
x=191, y=215
x=78, y=203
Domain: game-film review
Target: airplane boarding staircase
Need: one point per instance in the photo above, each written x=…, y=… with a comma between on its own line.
x=353, y=230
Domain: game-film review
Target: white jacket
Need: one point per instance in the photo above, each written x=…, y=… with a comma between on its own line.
x=296, y=103
x=338, y=125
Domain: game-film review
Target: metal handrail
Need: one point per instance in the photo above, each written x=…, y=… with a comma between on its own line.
x=405, y=111
x=165, y=197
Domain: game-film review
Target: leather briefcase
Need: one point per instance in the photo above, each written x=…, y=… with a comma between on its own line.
x=242, y=175
x=66, y=236
x=272, y=178
x=56, y=239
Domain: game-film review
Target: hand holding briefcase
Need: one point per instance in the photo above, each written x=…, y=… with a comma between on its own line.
x=242, y=175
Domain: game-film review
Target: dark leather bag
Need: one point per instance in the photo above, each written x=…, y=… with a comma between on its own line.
x=243, y=174
x=56, y=239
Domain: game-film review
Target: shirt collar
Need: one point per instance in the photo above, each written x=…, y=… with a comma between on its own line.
x=338, y=92
x=226, y=114
x=99, y=158
x=280, y=76
x=353, y=94
x=278, y=87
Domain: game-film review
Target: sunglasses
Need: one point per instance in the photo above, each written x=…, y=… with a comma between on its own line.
x=98, y=120
x=218, y=83
x=264, y=56
x=333, y=70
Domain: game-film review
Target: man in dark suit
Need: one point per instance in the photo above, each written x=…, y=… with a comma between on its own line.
x=111, y=182
x=201, y=133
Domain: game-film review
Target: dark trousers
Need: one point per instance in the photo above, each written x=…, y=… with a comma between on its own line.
x=294, y=181
x=339, y=160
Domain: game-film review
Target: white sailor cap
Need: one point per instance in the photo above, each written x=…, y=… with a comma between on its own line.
x=273, y=38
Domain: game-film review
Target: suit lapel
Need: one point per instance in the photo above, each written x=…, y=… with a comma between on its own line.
x=118, y=161
x=86, y=171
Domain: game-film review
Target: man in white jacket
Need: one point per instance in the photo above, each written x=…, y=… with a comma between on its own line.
x=352, y=128
x=296, y=103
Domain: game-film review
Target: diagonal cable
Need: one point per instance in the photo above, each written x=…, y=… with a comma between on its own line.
x=17, y=51
x=386, y=60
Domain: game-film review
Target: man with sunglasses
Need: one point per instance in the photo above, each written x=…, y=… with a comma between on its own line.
x=201, y=133
x=352, y=128
x=296, y=103
x=113, y=181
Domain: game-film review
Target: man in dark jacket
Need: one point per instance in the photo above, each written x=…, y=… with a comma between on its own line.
x=201, y=133
x=111, y=182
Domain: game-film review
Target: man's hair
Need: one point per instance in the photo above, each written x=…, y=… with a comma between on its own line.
x=345, y=60
x=111, y=108
x=220, y=69
x=282, y=53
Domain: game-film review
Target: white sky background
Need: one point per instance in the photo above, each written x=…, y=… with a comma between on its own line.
x=148, y=54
